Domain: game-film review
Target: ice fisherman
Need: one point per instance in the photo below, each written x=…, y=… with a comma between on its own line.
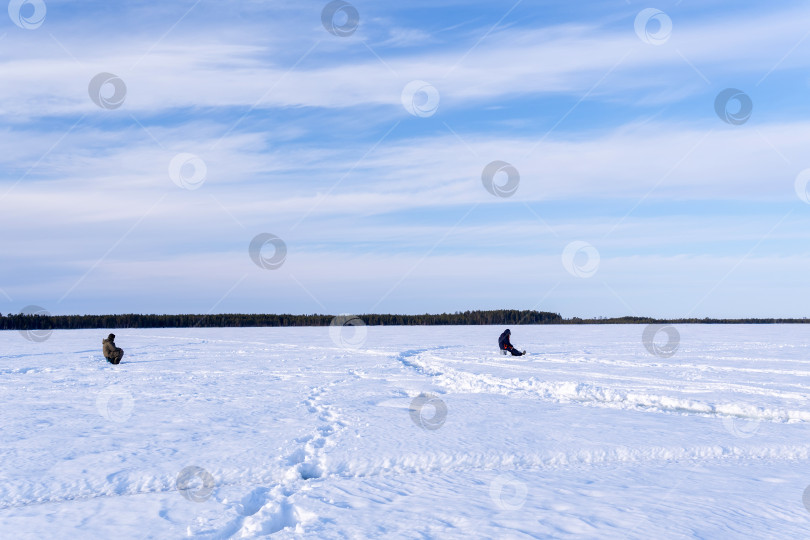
x=505, y=345
x=112, y=353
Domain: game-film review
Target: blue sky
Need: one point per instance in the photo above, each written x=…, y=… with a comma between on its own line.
x=607, y=115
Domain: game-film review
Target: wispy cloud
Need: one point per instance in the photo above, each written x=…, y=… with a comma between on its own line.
x=203, y=72
x=616, y=141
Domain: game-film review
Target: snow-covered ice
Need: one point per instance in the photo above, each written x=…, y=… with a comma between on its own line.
x=239, y=433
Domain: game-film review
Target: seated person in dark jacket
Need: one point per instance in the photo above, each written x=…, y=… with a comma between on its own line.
x=112, y=353
x=505, y=345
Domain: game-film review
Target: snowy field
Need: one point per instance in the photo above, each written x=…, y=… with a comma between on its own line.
x=290, y=432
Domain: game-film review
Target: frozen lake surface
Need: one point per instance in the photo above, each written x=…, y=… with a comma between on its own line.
x=240, y=433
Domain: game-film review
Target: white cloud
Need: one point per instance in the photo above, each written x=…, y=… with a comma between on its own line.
x=184, y=72
x=255, y=180
x=649, y=285
x=100, y=200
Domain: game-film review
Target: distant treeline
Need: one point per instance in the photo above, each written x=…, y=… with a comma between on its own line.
x=14, y=321
x=503, y=317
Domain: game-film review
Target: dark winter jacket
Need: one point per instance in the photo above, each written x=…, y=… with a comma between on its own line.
x=503, y=341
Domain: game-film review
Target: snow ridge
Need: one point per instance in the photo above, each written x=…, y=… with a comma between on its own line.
x=465, y=461
x=453, y=380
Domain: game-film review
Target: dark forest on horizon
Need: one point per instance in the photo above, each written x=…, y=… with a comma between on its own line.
x=506, y=317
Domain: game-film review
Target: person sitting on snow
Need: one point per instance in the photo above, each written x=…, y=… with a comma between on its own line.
x=112, y=353
x=504, y=344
